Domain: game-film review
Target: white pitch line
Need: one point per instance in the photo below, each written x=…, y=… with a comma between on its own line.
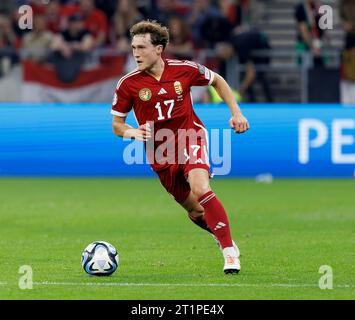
x=123, y=284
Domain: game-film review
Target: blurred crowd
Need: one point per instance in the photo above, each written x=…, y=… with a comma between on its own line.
x=347, y=14
x=66, y=32
x=66, y=26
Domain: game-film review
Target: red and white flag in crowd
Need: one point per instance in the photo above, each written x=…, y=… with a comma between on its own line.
x=41, y=83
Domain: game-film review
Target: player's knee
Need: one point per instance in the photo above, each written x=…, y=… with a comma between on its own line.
x=200, y=189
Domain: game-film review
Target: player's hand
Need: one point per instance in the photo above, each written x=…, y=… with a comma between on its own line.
x=239, y=123
x=142, y=133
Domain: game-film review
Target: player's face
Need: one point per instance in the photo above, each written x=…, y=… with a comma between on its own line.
x=145, y=53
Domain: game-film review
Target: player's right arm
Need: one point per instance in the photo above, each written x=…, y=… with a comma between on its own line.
x=121, y=106
x=122, y=129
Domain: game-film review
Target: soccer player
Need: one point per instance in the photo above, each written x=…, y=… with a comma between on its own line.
x=158, y=91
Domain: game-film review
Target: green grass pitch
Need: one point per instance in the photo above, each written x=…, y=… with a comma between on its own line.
x=285, y=230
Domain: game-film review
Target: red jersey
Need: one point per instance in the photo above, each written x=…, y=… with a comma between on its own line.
x=165, y=104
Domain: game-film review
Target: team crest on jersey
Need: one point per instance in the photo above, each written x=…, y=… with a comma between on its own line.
x=145, y=94
x=178, y=87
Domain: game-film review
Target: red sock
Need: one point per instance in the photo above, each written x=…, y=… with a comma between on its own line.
x=216, y=218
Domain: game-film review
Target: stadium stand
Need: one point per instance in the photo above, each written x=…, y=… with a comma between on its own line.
x=288, y=80
x=276, y=19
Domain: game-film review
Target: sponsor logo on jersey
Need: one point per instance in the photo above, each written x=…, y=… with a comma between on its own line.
x=162, y=91
x=145, y=94
x=178, y=87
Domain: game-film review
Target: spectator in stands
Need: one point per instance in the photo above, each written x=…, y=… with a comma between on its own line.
x=54, y=15
x=214, y=29
x=7, y=7
x=347, y=13
x=36, y=44
x=237, y=13
x=71, y=48
x=125, y=17
x=108, y=7
x=147, y=8
x=95, y=22
x=199, y=20
x=243, y=45
x=9, y=45
x=180, y=41
x=310, y=35
x=165, y=9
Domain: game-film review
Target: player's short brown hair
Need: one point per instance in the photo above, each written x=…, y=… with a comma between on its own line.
x=159, y=34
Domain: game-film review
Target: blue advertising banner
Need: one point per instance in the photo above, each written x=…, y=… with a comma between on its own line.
x=285, y=140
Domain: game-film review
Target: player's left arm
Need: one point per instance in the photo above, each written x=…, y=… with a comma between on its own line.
x=238, y=122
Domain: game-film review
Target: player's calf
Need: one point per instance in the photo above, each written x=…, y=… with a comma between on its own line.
x=199, y=220
x=216, y=218
x=195, y=211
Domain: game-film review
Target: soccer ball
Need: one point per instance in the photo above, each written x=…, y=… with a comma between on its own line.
x=100, y=258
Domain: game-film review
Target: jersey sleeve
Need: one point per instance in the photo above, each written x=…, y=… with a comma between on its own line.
x=122, y=100
x=200, y=75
